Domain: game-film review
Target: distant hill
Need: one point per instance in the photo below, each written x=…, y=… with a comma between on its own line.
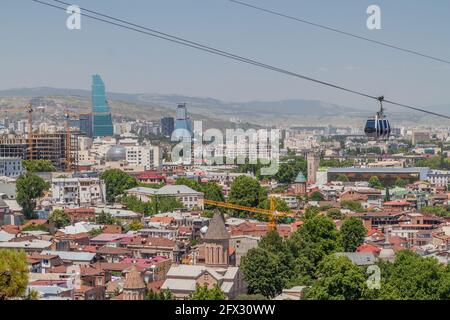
x=285, y=112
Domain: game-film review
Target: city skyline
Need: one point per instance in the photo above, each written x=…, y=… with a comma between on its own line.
x=153, y=66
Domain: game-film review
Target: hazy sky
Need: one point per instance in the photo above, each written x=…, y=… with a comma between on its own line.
x=36, y=49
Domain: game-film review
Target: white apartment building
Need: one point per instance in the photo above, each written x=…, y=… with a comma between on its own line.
x=11, y=167
x=148, y=156
x=439, y=178
x=78, y=191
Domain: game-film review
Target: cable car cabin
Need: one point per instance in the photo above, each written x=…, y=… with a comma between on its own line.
x=378, y=129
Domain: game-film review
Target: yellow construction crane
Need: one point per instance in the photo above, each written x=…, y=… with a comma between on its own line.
x=272, y=213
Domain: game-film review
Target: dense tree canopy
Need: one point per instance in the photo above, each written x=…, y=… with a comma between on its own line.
x=374, y=182
x=117, y=182
x=191, y=183
x=59, y=218
x=335, y=214
x=352, y=205
x=316, y=196
x=262, y=272
x=337, y=279
x=352, y=234
x=203, y=293
x=163, y=294
x=280, y=205
x=13, y=274
x=310, y=243
x=342, y=178
x=412, y=277
x=246, y=191
x=38, y=166
x=30, y=187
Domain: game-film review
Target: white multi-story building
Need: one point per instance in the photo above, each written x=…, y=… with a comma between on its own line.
x=11, y=167
x=78, y=191
x=439, y=178
x=148, y=156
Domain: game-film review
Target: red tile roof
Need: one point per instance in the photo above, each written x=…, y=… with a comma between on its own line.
x=367, y=247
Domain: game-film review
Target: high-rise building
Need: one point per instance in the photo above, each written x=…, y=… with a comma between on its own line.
x=167, y=126
x=86, y=124
x=312, y=160
x=101, y=113
x=182, y=121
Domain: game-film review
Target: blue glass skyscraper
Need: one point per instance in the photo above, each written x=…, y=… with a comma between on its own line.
x=183, y=122
x=101, y=113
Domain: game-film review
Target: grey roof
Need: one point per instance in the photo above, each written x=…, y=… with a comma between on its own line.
x=166, y=190
x=177, y=189
x=32, y=244
x=359, y=258
x=217, y=229
x=72, y=255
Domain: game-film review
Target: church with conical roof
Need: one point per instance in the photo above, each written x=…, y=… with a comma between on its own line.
x=217, y=242
x=217, y=269
x=134, y=285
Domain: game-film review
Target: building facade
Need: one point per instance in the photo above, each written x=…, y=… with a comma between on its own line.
x=11, y=167
x=78, y=191
x=147, y=156
x=167, y=126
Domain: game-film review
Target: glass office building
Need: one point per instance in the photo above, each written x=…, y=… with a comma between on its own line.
x=183, y=122
x=101, y=114
x=86, y=124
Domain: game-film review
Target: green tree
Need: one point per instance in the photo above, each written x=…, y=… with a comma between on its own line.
x=165, y=204
x=387, y=197
x=134, y=225
x=316, y=238
x=203, y=293
x=286, y=173
x=262, y=272
x=352, y=205
x=335, y=214
x=342, y=178
x=60, y=218
x=374, y=182
x=191, y=183
x=252, y=297
x=13, y=274
x=337, y=279
x=32, y=295
x=30, y=187
x=246, y=191
x=38, y=166
x=352, y=233
x=117, y=182
x=412, y=277
x=163, y=294
x=280, y=205
x=438, y=211
x=316, y=196
x=400, y=183
x=105, y=218
x=37, y=227
x=212, y=191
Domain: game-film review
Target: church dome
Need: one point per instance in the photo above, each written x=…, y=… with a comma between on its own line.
x=116, y=153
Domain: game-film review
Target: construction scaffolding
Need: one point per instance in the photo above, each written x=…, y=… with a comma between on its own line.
x=44, y=146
